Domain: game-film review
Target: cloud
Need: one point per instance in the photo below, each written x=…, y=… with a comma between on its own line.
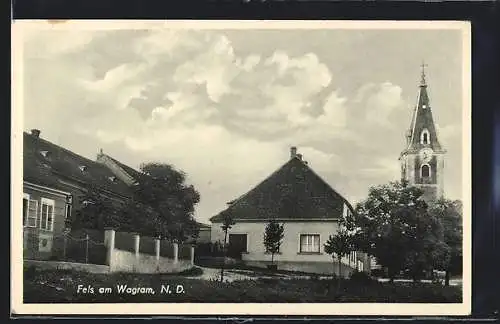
x=224, y=116
x=379, y=101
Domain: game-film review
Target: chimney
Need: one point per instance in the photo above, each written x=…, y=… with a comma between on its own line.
x=35, y=133
x=293, y=152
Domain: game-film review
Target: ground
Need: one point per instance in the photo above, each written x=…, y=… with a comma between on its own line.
x=201, y=285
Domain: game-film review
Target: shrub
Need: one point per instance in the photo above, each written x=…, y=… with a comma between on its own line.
x=360, y=277
x=29, y=272
x=191, y=272
x=378, y=273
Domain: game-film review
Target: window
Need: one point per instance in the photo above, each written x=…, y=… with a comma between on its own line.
x=46, y=219
x=67, y=212
x=425, y=171
x=29, y=211
x=309, y=243
x=26, y=202
x=425, y=137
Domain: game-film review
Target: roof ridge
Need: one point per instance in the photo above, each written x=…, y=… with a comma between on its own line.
x=307, y=168
x=121, y=163
x=65, y=149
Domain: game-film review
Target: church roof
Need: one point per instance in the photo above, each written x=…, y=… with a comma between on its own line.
x=45, y=162
x=422, y=119
x=293, y=192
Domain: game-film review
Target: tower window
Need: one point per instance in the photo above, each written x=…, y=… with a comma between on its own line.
x=425, y=171
x=425, y=137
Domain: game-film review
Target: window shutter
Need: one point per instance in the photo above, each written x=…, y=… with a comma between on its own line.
x=32, y=213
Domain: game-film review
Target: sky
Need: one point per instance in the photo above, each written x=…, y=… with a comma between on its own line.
x=225, y=105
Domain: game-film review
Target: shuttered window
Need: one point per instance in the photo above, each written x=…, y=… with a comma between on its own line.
x=30, y=209
x=46, y=220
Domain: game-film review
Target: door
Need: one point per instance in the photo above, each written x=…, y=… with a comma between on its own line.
x=237, y=245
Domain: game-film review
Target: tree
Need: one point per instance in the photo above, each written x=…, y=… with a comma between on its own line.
x=338, y=245
x=96, y=211
x=163, y=189
x=395, y=227
x=273, y=237
x=227, y=223
x=449, y=213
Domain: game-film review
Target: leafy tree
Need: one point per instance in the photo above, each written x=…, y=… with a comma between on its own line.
x=449, y=213
x=339, y=245
x=95, y=210
x=227, y=223
x=273, y=237
x=163, y=189
x=395, y=227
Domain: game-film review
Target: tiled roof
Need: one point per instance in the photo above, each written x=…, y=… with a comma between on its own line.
x=45, y=169
x=422, y=119
x=294, y=191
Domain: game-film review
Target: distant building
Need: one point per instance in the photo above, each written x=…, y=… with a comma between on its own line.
x=422, y=160
x=309, y=209
x=204, y=235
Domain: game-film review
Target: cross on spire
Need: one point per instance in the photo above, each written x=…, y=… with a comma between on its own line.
x=422, y=80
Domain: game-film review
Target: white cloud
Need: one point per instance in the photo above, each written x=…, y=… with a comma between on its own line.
x=225, y=116
x=380, y=101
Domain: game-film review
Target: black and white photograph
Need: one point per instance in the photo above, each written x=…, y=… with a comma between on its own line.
x=241, y=167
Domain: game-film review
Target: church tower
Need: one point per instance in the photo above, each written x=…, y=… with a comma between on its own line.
x=422, y=161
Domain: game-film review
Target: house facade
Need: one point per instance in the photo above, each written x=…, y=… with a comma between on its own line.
x=54, y=181
x=308, y=208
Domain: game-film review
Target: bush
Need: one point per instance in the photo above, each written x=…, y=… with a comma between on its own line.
x=29, y=272
x=378, y=273
x=360, y=276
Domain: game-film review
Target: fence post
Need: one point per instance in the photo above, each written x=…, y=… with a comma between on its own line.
x=65, y=242
x=157, y=254
x=192, y=254
x=86, y=248
x=176, y=252
x=109, y=242
x=137, y=240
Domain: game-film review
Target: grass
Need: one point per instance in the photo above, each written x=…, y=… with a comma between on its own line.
x=49, y=286
x=257, y=270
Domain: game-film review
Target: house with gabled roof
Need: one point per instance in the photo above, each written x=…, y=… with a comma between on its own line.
x=310, y=210
x=54, y=180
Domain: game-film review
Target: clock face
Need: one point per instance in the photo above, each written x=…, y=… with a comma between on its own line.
x=426, y=154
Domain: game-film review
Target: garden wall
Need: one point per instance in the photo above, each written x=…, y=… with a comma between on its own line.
x=133, y=253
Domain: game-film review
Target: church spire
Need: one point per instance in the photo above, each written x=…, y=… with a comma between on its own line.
x=422, y=130
x=422, y=160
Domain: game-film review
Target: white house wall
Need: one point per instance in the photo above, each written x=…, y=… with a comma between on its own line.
x=290, y=247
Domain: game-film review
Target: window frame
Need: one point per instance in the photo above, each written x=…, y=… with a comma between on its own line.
x=422, y=171
x=312, y=235
x=48, y=202
x=68, y=207
x=27, y=211
x=425, y=131
x=27, y=216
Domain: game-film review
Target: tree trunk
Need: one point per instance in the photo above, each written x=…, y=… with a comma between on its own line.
x=224, y=258
x=333, y=266
x=272, y=258
x=447, y=278
x=340, y=267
